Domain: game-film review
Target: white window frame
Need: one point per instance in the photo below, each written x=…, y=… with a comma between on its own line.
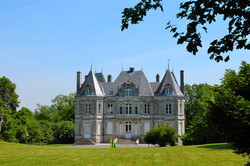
x=88, y=109
x=128, y=108
x=110, y=109
x=127, y=92
x=147, y=108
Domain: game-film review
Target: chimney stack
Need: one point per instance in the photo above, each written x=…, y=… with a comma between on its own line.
x=157, y=78
x=182, y=80
x=79, y=81
x=131, y=69
x=86, y=76
x=109, y=78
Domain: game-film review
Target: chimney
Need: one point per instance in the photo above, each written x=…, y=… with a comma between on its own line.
x=86, y=76
x=157, y=78
x=182, y=80
x=109, y=78
x=79, y=81
x=131, y=69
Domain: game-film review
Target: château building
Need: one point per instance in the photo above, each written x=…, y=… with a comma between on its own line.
x=128, y=107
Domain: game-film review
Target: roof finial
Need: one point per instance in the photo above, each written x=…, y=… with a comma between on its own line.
x=91, y=66
x=101, y=71
x=122, y=67
x=141, y=68
x=168, y=63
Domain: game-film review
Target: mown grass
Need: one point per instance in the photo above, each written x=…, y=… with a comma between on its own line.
x=210, y=154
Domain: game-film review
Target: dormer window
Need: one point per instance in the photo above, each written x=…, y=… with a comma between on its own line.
x=128, y=89
x=168, y=89
x=88, y=92
x=127, y=92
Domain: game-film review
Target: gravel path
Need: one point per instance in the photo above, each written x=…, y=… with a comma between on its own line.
x=107, y=145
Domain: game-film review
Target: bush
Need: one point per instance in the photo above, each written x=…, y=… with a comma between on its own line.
x=64, y=132
x=161, y=135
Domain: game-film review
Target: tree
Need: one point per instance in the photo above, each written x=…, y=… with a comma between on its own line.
x=161, y=135
x=199, y=127
x=231, y=108
x=199, y=13
x=63, y=108
x=8, y=96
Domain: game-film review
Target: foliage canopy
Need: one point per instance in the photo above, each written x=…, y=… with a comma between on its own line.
x=199, y=13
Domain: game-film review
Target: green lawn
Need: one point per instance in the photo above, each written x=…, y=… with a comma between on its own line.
x=210, y=154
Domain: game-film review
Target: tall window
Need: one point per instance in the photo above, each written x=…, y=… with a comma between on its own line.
x=99, y=108
x=127, y=92
x=168, y=90
x=168, y=110
x=180, y=108
x=87, y=108
x=146, y=108
x=128, y=108
x=110, y=109
x=120, y=109
x=136, y=109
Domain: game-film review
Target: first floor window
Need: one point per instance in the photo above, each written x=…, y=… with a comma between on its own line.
x=168, y=109
x=87, y=108
x=99, y=108
x=120, y=109
x=110, y=109
x=146, y=108
x=128, y=108
x=136, y=109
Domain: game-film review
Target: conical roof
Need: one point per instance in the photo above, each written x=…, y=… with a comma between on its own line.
x=169, y=79
x=92, y=81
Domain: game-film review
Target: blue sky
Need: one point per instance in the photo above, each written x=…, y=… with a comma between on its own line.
x=43, y=44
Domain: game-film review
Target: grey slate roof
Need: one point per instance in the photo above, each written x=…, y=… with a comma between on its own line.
x=169, y=79
x=94, y=83
x=103, y=88
x=138, y=78
x=100, y=77
x=154, y=86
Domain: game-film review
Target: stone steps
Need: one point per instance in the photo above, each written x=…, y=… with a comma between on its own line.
x=125, y=141
x=85, y=142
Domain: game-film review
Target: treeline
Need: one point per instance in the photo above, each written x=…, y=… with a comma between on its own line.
x=220, y=113
x=48, y=124
x=214, y=113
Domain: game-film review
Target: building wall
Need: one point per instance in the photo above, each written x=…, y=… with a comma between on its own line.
x=99, y=115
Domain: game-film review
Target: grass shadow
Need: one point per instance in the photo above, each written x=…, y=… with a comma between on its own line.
x=216, y=146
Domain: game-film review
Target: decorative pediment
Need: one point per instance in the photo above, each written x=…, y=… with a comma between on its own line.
x=128, y=89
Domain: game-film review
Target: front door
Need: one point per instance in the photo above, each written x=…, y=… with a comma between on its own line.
x=87, y=129
x=128, y=130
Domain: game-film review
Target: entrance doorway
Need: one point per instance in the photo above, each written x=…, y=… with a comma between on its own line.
x=128, y=130
x=87, y=129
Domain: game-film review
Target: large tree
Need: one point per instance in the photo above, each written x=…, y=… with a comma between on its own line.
x=8, y=97
x=199, y=13
x=230, y=110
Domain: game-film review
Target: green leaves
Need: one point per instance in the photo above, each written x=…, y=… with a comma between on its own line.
x=161, y=135
x=8, y=97
x=198, y=13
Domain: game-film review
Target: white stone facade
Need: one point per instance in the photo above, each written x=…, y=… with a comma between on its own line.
x=126, y=114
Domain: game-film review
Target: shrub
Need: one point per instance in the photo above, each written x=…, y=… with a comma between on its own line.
x=161, y=135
